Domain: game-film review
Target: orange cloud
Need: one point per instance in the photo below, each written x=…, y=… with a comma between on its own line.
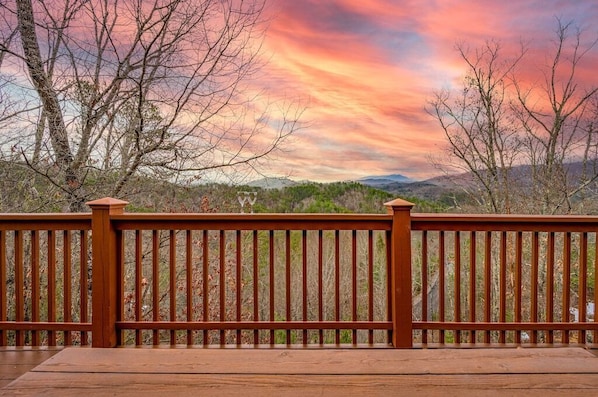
x=368, y=68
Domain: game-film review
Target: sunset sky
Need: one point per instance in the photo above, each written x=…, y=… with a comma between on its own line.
x=365, y=69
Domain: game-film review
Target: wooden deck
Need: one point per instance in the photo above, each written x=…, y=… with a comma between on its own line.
x=291, y=372
x=15, y=362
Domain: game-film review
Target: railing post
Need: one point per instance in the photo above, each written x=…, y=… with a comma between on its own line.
x=400, y=273
x=103, y=271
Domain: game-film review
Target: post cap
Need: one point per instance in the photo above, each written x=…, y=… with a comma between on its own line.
x=399, y=203
x=107, y=202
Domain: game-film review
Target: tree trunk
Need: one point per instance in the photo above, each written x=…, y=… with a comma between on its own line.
x=52, y=111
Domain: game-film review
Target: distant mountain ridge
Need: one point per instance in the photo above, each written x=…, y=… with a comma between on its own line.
x=273, y=183
x=434, y=189
x=440, y=192
x=373, y=181
x=384, y=179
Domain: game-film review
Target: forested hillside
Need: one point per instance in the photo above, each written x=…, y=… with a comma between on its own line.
x=20, y=187
x=308, y=197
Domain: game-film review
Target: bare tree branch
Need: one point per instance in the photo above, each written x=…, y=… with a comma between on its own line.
x=521, y=142
x=130, y=87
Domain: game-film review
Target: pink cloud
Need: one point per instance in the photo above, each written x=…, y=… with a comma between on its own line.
x=368, y=68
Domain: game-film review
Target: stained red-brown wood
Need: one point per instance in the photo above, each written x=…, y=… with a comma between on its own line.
x=139, y=283
x=51, y=287
x=287, y=261
x=442, y=283
x=595, y=333
x=498, y=223
x=27, y=324
x=400, y=275
x=566, y=282
x=251, y=325
x=337, y=284
x=583, y=288
x=320, y=284
x=35, y=285
x=155, y=285
x=457, y=297
x=487, y=282
x=222, y=282
x=541, y=385
x=518, y=281
x=206, y=283
x=354, y=277
x=534, y=283
x=389, y=283
x=19, y=286
x=67, y=282
x=84, y=283
x=472, y=282
x=271, y=290
x=15, y=362
x=238, y=284
x=256, y=296
x=550, y=285
x=370, y=283
x=172, y=275
x=424, y=283
x=304, y=281
x=338, y=372
x=120, y=280
x=502, y=306
x=104, y=298
x=3, y=298
x=189, y=281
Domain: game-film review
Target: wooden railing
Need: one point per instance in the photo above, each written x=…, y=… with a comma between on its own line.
x=269, y=276
x=497, y=279
x=254, y=279
x=45, y=289
x=399, y=279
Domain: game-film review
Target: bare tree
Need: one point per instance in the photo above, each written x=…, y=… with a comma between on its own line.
x=129, y=87
x=521, y=146
x=559, y=130
x=478, y=127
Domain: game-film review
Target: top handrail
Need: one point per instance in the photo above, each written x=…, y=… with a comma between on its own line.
x=178, y=221
x=492, y=222
x=61, y=221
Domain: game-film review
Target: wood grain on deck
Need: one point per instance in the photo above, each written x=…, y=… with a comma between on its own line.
x=14, y=362
x=259, y=372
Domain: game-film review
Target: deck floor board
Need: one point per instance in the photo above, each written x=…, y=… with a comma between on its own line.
x=292, y=372
x=15, y=362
